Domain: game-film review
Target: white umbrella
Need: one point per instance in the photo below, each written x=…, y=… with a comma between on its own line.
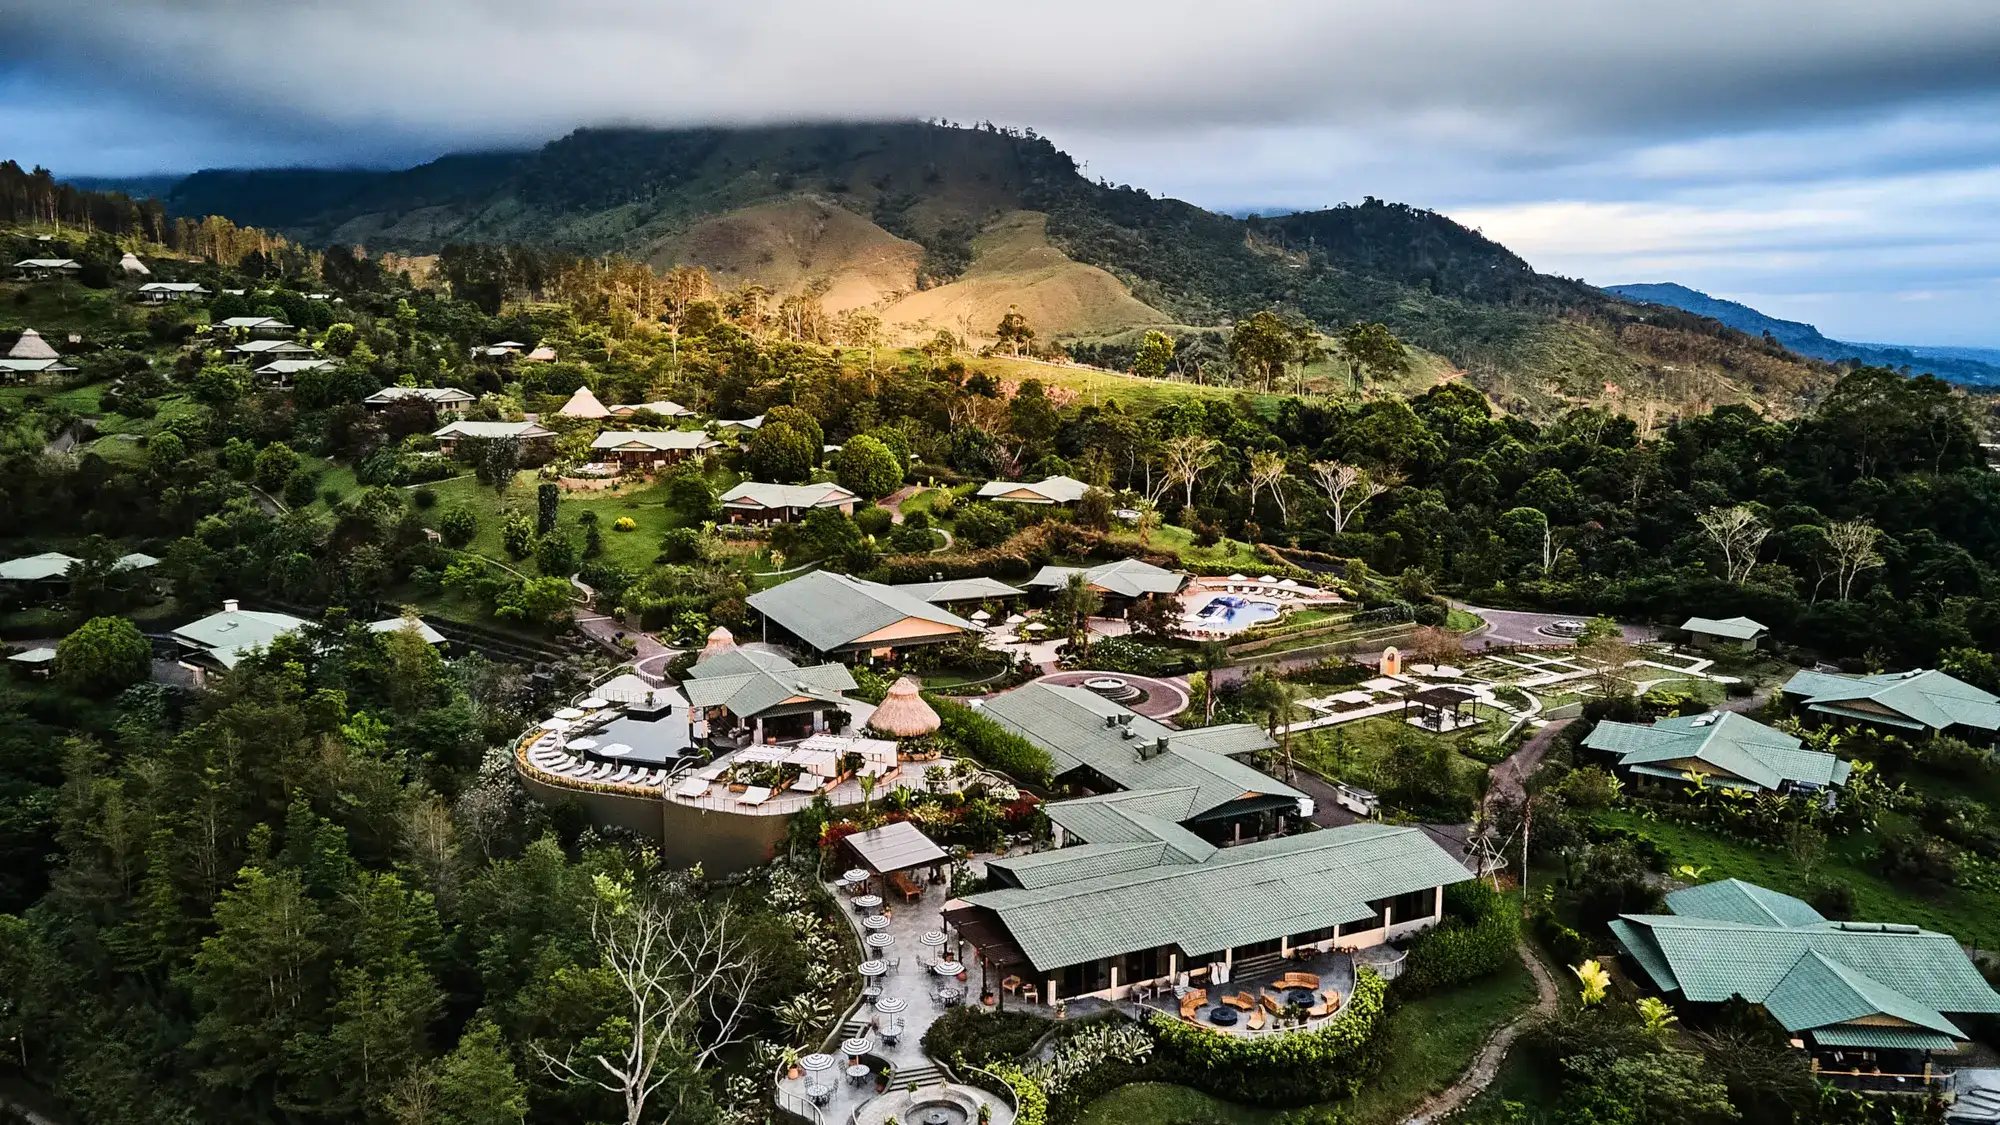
x=859, y=1045
x=932, y=938
x=867, y=902
x=854, y=875
x=555, y=724
x=1015, y=619
x=816, y=1062
x=890, y=1005
x=595, y=703
x=948, y=968
x=580, y=744
x=981, y=615
x=873, y=968
x=1037, y=627
x=571, y=713
x=875, y=922
x=616, y=750
x=879, y=940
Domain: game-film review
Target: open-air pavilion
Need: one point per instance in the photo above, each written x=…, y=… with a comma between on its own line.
x=890, y=853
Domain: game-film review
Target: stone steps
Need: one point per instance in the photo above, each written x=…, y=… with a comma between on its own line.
x=923, y=1074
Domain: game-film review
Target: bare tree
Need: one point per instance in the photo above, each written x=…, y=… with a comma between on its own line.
x=1853, y=545
x=1187, y=456
x=683, y=970
x=1738, y=534
x=1348, y=488
x=1269, y=470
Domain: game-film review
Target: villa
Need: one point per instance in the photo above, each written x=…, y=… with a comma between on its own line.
x=1738, y=633
x=47, y=574
x=738, y=427
x=447, y=401
x=33, y=355
x=662, y=407
x=1874, y=988
x=652, y=447
x=253, y=324
x=273, y=349
x=1921, y=700
x=41, y=269
x=172, y=290
x=527, y=433
x=1049, y=490
x=784, y=502
x=1119, y=583
x=1727, y=749
x=759, y=696
x=280, y=371
x=220, y=641
x=835, y=615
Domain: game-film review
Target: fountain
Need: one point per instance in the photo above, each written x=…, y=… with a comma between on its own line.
x=1571, y=629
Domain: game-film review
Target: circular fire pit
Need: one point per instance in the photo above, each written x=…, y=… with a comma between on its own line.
x=1114, y=689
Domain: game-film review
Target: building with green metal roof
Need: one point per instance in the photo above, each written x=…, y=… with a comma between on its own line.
x=1724, y=747
x=766, y=693
x=1126, y=579
x=833, y=614
x=1833, y=985
x=1924, y=699
x=1739, y=633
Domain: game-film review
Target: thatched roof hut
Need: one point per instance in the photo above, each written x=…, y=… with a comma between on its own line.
x=131, y=264
x=584, y=404
x=32, y=346
x=903, y=712
x=720, y=640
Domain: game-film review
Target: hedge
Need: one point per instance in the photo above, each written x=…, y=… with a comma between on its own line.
x=1478, y=936
x=1294, y=1068
x=1031, y=1104
x=973, y=1036
x=989, y=743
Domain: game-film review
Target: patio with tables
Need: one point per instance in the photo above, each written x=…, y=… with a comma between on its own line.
x=1297, y=994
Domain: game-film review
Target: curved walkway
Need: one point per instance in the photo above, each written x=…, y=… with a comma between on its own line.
x=1164, y=698
x=1486, y=1064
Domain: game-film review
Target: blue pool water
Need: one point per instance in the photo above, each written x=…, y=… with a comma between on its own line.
x=1228, y=611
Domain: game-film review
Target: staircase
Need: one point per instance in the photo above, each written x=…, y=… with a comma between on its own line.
x=853, y=1027
x=922, y=1074
x=1250, y=968
x=1980, y=1104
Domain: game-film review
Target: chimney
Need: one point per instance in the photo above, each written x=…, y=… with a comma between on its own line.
x=1159, y=746
x=1110, y=721
x=229, y=605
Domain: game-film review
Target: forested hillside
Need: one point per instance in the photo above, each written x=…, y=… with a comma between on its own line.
x=1537, y=344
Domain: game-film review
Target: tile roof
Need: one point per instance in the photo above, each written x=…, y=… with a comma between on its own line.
x=493, y=430
x=658, y=440
x=1920, y=698
x=1743, y=748
x=1732, y=628
x=748, y=683
x=758, y=494
x=1237, y=896
x=1080, y=728
x=1128, y=577
x=959, y=590
x=831, y=611
x=1049, y=490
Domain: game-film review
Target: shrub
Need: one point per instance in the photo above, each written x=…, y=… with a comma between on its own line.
x=1318, y=1065
x=976, y=1037
x=983, y=525
x=1031, y=1103
x=1477, y=937
x=424, y=497
x=867, y=468
x=457, y=526
x=874, y=521
x=301, y=487
x=987, y=742
x=1121, y=654
x=624, y=523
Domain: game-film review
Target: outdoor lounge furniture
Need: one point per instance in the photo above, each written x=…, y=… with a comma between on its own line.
x=692, y=787
x=1257, y=1020
x=1268, y=1002
x=905, y=886
x=755, y=795
x=1329, y=1004
x=1242, y=1000
x=1031, y=993
x=806, y=783
x=1292, y=981
x=1195, y=1000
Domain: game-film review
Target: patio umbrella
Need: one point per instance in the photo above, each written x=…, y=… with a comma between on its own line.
x=867, y=902
x=595, y=703
x=875, y=922
x=1267, y=578
x=557, y=725
x=854, y=875
x=880, y=940
x=571, y=713
x=616, y=750
x=932, y=938
x=1237, y=578
x=816, y=1062
x=580, y=744
x=1015, y=619
x=859, y=1045
x=948, y=968
x=890, y=1005
x=873, y=968
x=1038, y=627
x=981, y=615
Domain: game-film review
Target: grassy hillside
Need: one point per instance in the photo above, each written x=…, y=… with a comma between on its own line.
x=935, y=227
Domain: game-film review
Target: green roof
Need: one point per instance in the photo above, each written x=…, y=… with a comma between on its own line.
x=1081, y=729
x=1883, y=1038
x=1237, y=896
x=1738, y=939
x=833, y=611
x=749, y=683
x=36, y=568
x=1138, y=817
x=1918, y=699
x=1127, y=577
x=228, y=636
x=1744, y=748
x=959, y=590
x=1730, y=628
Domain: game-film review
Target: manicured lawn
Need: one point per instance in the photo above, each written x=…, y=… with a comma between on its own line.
x=646, y=506
x=87, y=399
x=1231, y=553
x=1363, y=746
x=1970, y=916
x=1430, y=1041
x=1459, y=621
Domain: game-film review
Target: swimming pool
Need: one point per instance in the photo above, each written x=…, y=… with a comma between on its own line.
x=1228, y=611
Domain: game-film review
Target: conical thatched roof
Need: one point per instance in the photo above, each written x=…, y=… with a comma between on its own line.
x=583, y=404
x=32, y=346
x=131, y=264
x=719, y=641
x=903, y=713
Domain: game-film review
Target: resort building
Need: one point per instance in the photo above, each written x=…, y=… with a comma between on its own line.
x=754, y=500
x=269, y=349
x=583, y=404
x=1723, y=747
x=957, y=591
x=449, y=402
x=1049, y=490
x=1922, y=700
x=220, y=641
x=172, y=290
x=33, y=357
x=1119, y=583
x=1740, y=634
x=281, y=371
x=255, y=325
x=738, y=427
x=651, y=447
x=1839, y=988
x=527, y=433
x=47, y=574
x=41, y=269
x=1191, y=777
x=662, y=407
x=746, y=697
x=835, y=615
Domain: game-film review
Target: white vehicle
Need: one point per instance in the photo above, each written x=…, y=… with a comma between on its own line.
x=1356, y=800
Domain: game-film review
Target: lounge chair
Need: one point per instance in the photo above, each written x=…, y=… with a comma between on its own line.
x=1329, y=1004
x=692, y=787
x=755, y=795
x=1195, y=1000
x=806, y=783
x=1257, y=1020
x=1242, y=1001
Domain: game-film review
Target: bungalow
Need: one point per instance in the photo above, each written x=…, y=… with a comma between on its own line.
x=651, y=447
x=47, y=574
x=763, y=696
x=253, y=324
x=1736, y=633
x=833, y=614
x=583, y=404
x=1049, y=490
x=281, y=371
x=505, y=349
x=270, y=350
x=34, y=357
x=527, y=433
x=1835, y=986
x=784, y=502
x=1119, y=583
x=41, y=269
x=172, y=290
x=449, y=402
x=1726, y=748
x=1102, y=747
x=220, y=641
x=542, y=354
x=1152, y=904
x=953, y=591
x=663, y=407
x=1922, y=700
x=738, y=427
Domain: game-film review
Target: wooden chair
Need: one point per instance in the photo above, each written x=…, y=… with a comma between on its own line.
x=1193, y=1001
x=1031, y=993
x=1257, y=1020
x=1242, y=1001
x=1267, y=1002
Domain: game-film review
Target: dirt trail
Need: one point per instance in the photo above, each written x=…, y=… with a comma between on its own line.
x=1486, y=1065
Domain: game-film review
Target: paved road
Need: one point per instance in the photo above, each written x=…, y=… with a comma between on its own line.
x=1520, y=627
x=1164, y=698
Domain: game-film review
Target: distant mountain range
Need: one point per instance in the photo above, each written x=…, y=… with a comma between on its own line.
x=1962, y=365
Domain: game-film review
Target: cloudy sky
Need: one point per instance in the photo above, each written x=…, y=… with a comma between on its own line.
x=1836, y=161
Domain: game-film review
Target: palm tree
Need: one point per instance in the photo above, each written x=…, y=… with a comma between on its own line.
x=867, y=781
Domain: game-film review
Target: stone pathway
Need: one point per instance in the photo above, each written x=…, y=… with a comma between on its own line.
x=649, y=654
x=1486, y=1065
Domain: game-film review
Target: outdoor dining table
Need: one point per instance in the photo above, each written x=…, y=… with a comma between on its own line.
x=868, y=902
x=819, y=1094
x=857, y=1074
